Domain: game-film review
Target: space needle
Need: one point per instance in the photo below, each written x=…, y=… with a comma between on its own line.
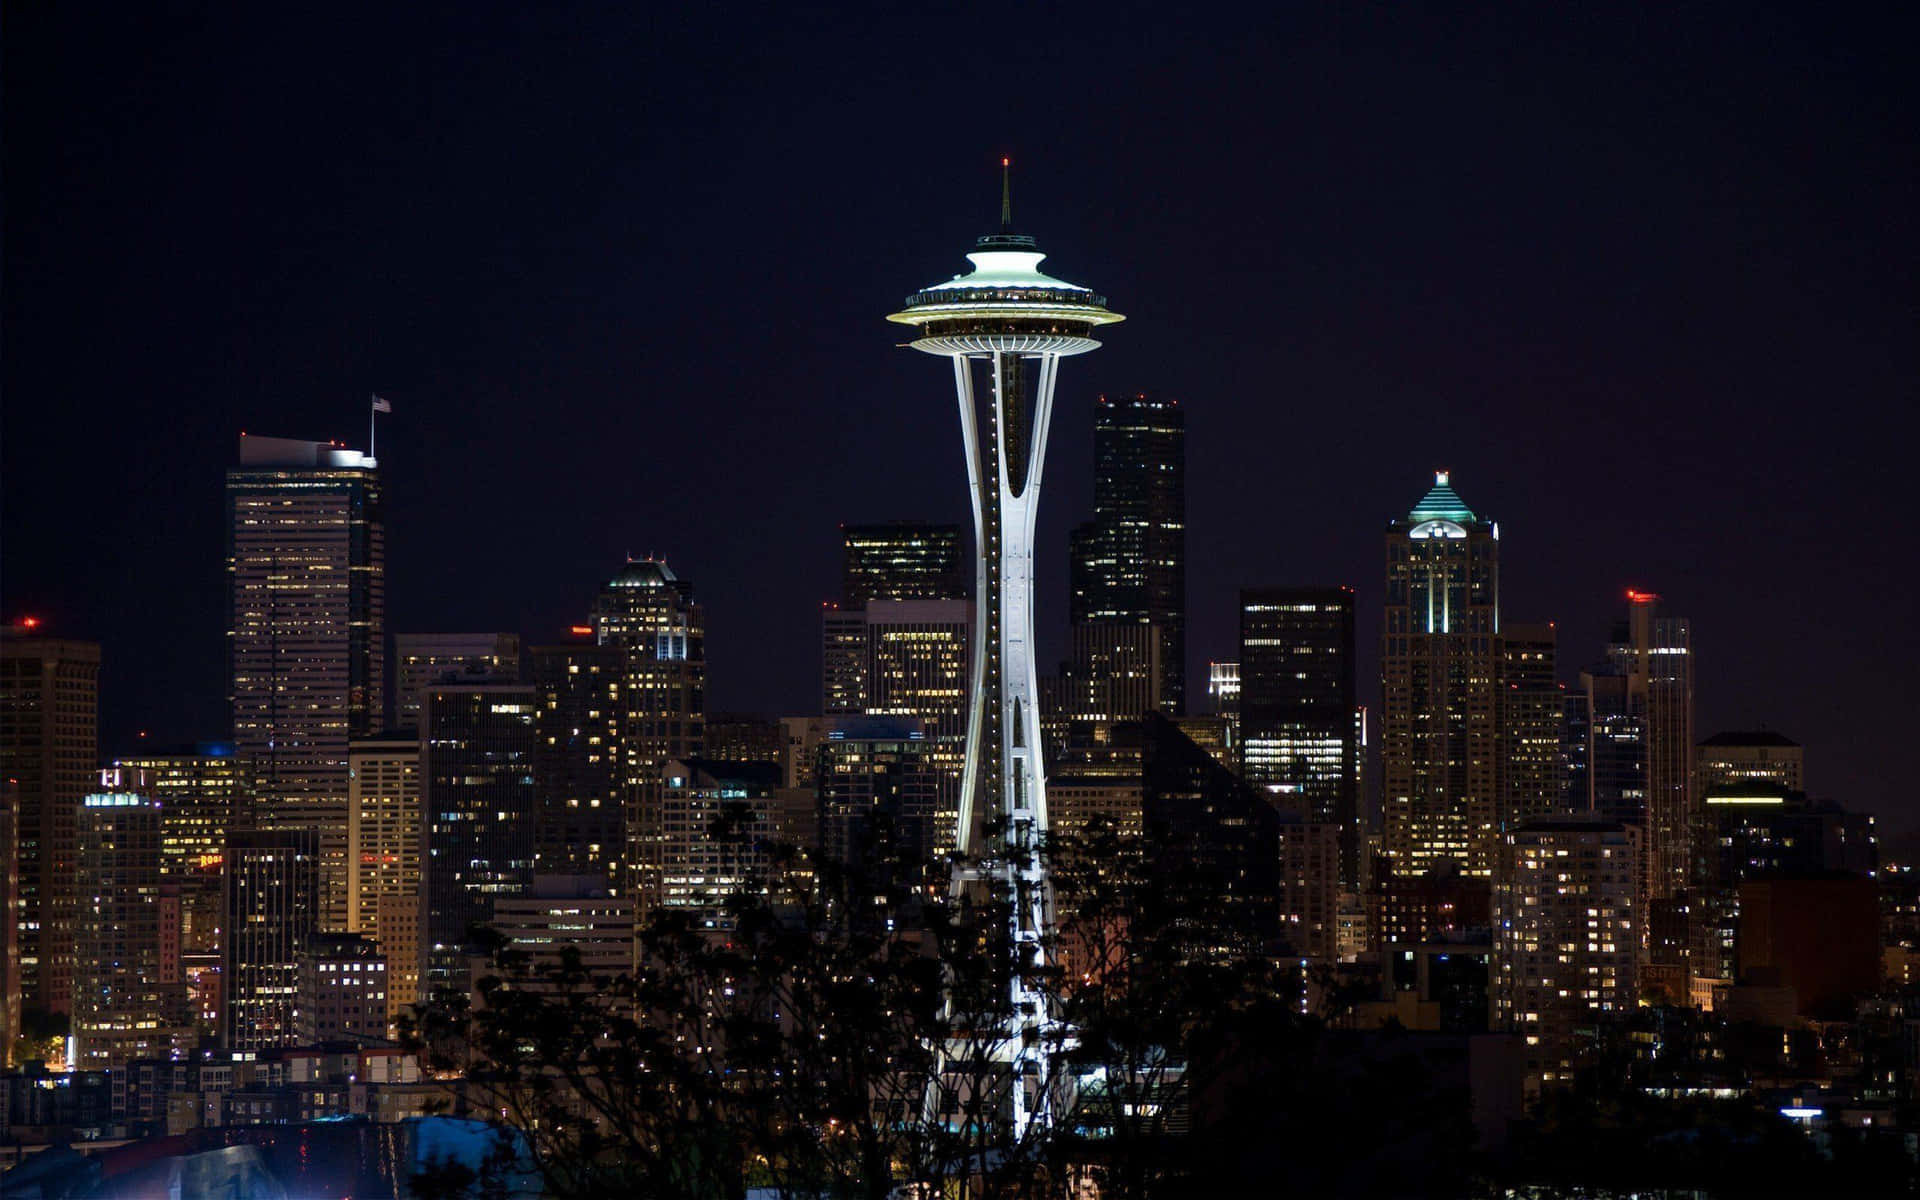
x=1006, y=326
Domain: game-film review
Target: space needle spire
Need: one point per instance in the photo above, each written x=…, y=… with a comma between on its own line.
x=1006, y=326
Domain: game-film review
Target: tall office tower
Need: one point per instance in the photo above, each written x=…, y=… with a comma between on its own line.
x=9, y=918
x=1529, y=717
x=477, y=769
x=1297, y=688
x=386, y=811
x=801, y=755
x=879, y=796
x=1130, y=563
x=1741, y=756
x=342, y=991
x=716, y=823
x=306, y=560
x=1440, y=663
x=49, y=743
x=1576, y=745
x=580, y=826
x=911, y=660
x=744, y=737
x=1614, y=755
x=1653, y=656
x=421, y=660
x=1017, y=324
x=202, y=790
x=902, y=560
x=1567, y=919
x=844, y=661
x=120, y=1011
x=649, y=613
x=273, y=898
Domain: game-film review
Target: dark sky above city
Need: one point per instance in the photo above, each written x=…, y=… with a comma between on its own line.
x=1642, y=277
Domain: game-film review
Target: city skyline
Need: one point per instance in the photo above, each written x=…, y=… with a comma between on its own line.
x=1702, y=294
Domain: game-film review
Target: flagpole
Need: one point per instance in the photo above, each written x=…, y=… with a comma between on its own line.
x=373, y=419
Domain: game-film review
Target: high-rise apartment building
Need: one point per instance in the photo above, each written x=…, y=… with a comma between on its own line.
x=273, y=896
x=716, y=824
x=584, y=797
x=1298, y=740
x=1529, y=716
x=745, y=737
x=386, y=834
x=342, y=994
x=49, y=747
x=120, y=1007
x=1129, y=564
x=306, y=561
x=422, y=660
x=902, y=560
x=1567, y=918
x=649, y=613
x=478, y=773
x=1440, y=666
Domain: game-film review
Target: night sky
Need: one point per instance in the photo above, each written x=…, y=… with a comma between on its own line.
x=1643, y=280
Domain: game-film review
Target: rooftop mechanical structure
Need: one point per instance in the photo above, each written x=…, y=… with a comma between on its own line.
x=1006, y=326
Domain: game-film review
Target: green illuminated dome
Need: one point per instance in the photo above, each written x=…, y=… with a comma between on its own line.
x=1441, y=504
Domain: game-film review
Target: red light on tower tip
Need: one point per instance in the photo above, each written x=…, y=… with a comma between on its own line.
x=29, y=622
x=1006, y=162
x=1639, y=597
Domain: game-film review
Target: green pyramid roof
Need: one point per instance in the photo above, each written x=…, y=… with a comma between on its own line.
x=1441, y=504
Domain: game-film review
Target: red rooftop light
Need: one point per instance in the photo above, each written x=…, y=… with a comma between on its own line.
x=1635, y=597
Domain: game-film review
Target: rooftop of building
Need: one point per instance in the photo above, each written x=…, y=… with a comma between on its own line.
x=1441, y=503
x=1748, y=738
x=644, y=573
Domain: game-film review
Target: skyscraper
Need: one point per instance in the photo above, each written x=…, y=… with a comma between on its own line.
x=421, y=660
x=306, y=560
x=902, y=560
x=1658, y=654
x=879, y=798
x=1567, y=930
x=897, y=643
x=273, y=889
x=1439, y=738
x=1130, y=563
x=1298, y=738
x=1018, y=323
x=386, y=833
x=583, y=794
x=1530, y=712
x=120, y=1011
x=716, y=824
x=49, y=747
x=649, y=614
x=480, y=802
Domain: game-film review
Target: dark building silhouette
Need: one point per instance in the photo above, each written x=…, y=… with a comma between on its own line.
x=1298, y=740
x=745, y=737
x=1129, y=564
x=1206, y=827
x=421, y=660
x=478, y=776
x=582, y=795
